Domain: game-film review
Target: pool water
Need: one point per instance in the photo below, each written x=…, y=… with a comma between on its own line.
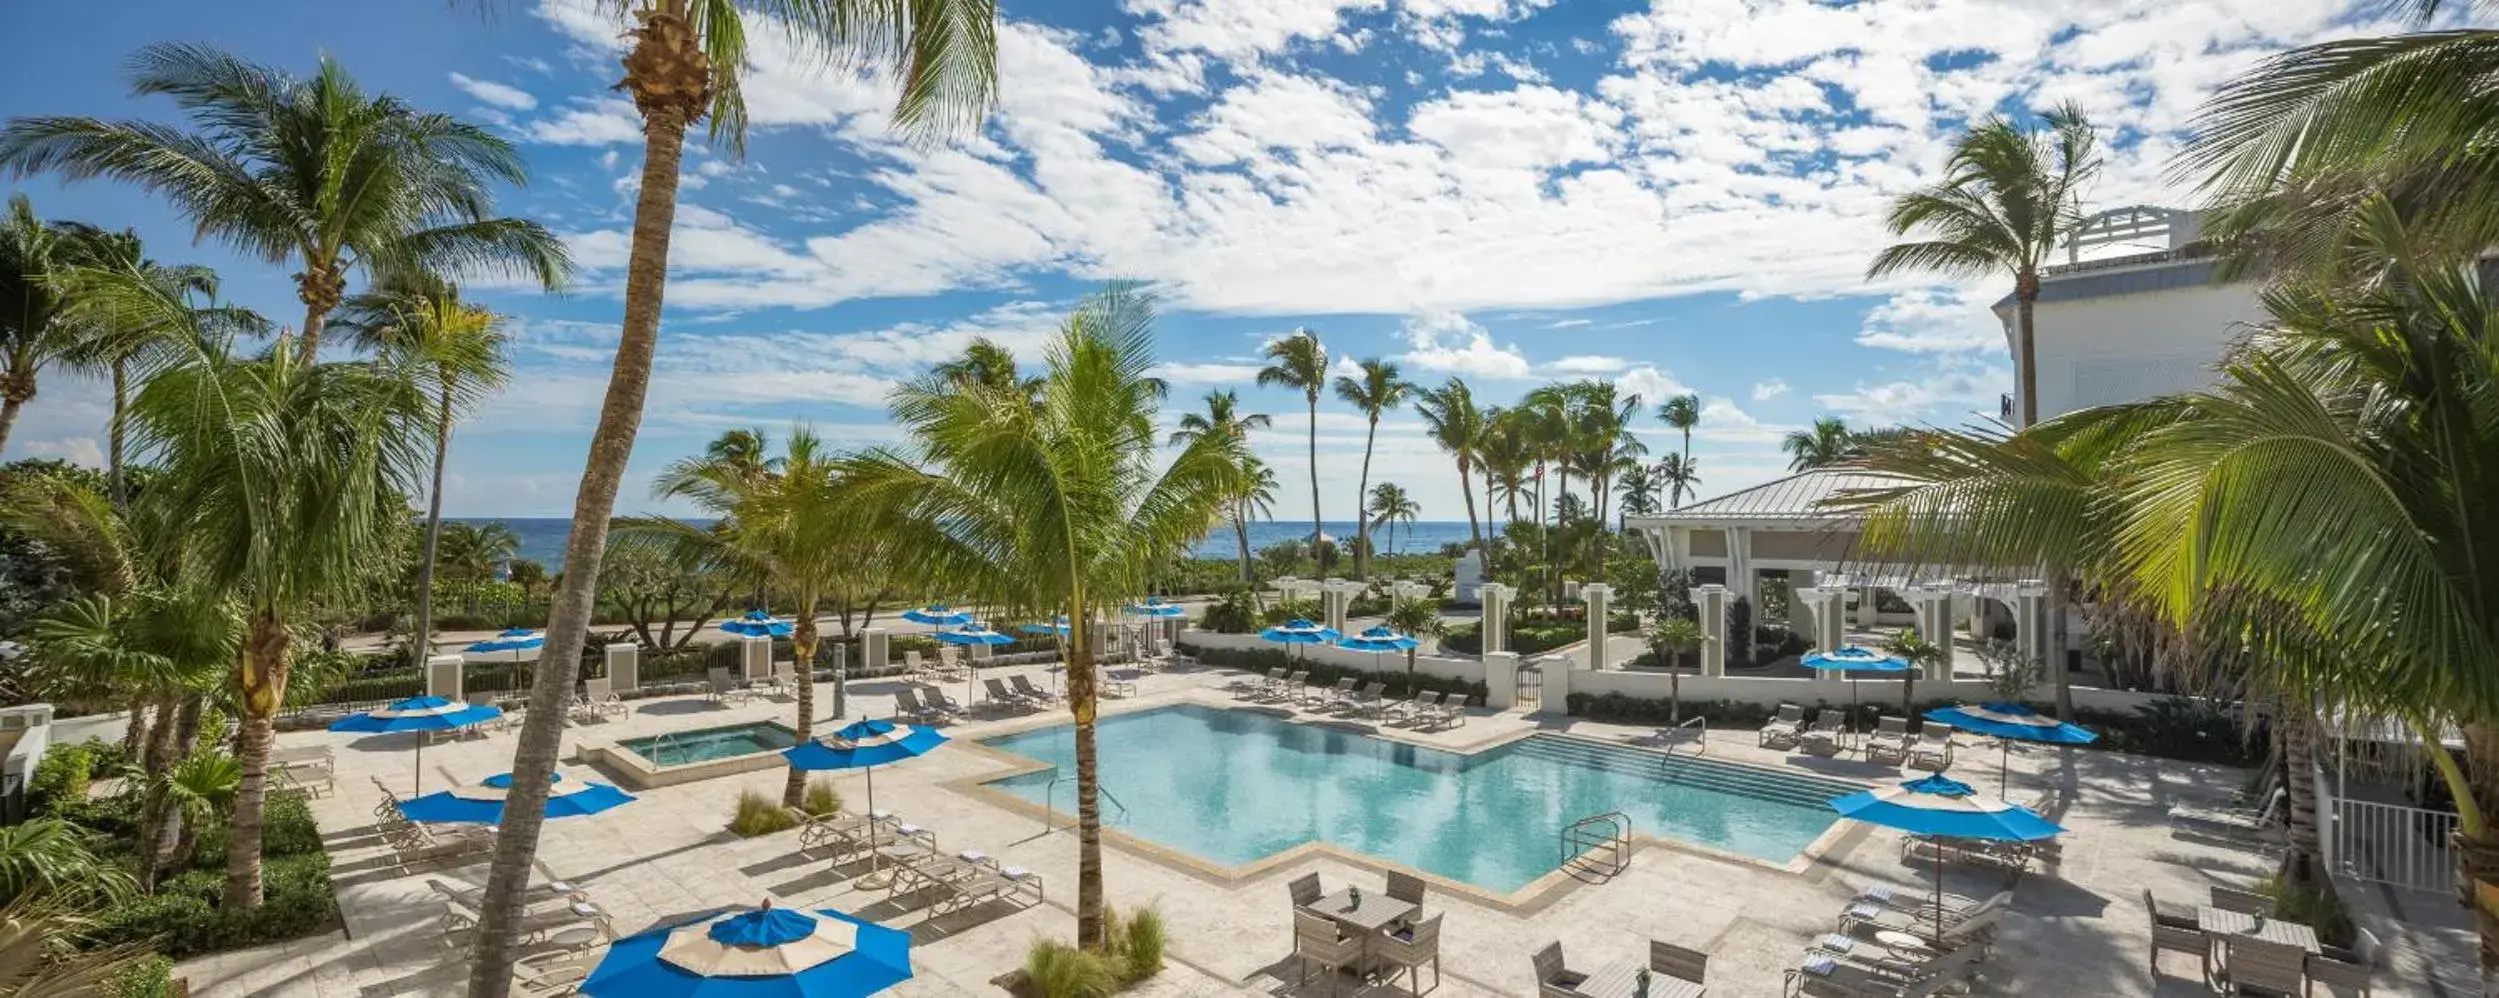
x=1233, y=787
x=677, y=748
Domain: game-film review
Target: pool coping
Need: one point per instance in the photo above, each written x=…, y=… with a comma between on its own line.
x=1816, y=861
x=639, y=773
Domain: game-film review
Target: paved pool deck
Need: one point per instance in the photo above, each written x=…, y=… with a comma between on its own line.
x=2078, y=929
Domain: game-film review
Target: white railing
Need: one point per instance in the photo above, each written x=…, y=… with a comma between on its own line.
x=2393, y=844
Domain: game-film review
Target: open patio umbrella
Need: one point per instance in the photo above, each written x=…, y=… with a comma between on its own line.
x=758, y=624
x=937, y=615
x=967, y=635
x=1057, y=626
x=418, y=714
x=2010, y=722
x=482, y=804
x=1851, y=658
x=764, y=952
x=516, y=641
x=1944, y=807
x=1298, y=631
x=1155, y=607
x=1379, y=640
x=865, y=745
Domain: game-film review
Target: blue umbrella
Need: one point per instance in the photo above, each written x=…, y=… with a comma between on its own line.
x=758, y=624
x=973, y=634
x=1944, y=807
x=1851, y=658
x=1379, y=639
x=2008, y=722
x=516, y=641
x=759, y=953
x=483, y=804
x=937, y=614
x=1155, y=607
x=1057, y=625
x=1298, y=631
x=865, y=745
x=425, y=713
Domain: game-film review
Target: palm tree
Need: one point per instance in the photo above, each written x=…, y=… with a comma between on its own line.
x=458, y=349
x=1256, y=501
x=1457, y=425
x=1300, y=362
x=281, y=478
x=1057, y=505
x=1506, y=453
x=1682, y=414
x=1375, y=389
x=1827, y=444
x=1637, y=488
x=1609, y=444
x=314, y=172
x=2009, y=195
x=1223, y=418
x=472, y=550
x=1390, y=506
x=987, y=363
x=746, y=451
x=35, y=329
x=1681, y=475
x=1419, y=618
x=684, y=65
x=1672, y=638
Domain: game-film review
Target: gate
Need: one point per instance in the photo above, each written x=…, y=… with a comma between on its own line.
x=2393, y=844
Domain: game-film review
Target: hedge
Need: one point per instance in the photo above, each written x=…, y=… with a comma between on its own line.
x=2170, y=728
x=1264, y=659
x=185, y=916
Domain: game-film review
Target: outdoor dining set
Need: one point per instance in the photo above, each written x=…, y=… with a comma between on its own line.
x=1372, y=935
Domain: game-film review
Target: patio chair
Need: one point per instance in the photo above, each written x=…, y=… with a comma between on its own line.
x=935, y=698
x=1115, y=683
x=1921, y=917
x=1909, y=898
x=600, y=694
x=907, y=704
x=912, y=663
x=1307, y=890
x=1406, y=887
x=784, y=679
x=2170, y=937
x=1325, y=698
x=2243, y=902
x=2264, y=824
x=1365, y=701
x=1291, y=689
x=2013, y=858
x=1319, y=940
x=556, y=972
x=1449, y=711
x=1423, y=709
x=724, y=689
x=1831, y=971
x=1784, y=728
x=1038, y=697
x=1823, y=739
x=2252, y=966
x=1933, y=750
x=1408, y=948
x=1555, y=979
x=1677, y=962
x=1003, y=698
x=1890, y=740
x=2176, y=916
x=2336, y=973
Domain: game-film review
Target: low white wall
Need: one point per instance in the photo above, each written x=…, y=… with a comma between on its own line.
x=1465, y=669
x=1772, y=691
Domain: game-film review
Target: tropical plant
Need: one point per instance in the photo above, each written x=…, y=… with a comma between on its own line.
x=200, y=789
x=1419, y=618
x=1637, y=490
x=37, y=959
x=1256, y=501
x=1682, y=413
x=1680, y=475
x=1389, y=506
x=1223, y=418
x=1300, y=362
x=2009, y=195
x=313, y=171
x=1826, y=444
x=470, y=550
x=1671, y=638
x=1601, y=440
x=35, y=331
x=51, y=859
x=1507, y=454
x=1375, y=388
x=458, y=349
x=1911, y=647
x=1455, y=423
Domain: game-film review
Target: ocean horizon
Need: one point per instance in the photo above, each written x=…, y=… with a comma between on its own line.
x=543, y=537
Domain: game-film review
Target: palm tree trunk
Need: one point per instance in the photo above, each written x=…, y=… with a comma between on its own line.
x=669, y=79
x=1083, y=700
x=2476, y=845
x=263, y=688
x=159, y=758
x=2055, y=665
x=173, y=838
x=1362, y=487
x=2298, y=723
x=1466, y=487
x=113, y=433
x=803, y=667
x=8, y=418
x=2026, y=293
x=319, y=288
x=1318, y=569
x=1240, y=532
x=433, y=536
x=135, y=733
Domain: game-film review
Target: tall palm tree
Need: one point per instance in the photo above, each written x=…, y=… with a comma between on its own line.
x=1457, y=425
x=1682, y=414
x=747, y=451
x=283, y=479
x=1602, y=440
x=2010, y=194
x=314, y=171
x=1681, y=475
x=1055, y=505
x=1223, y=418
x=684, y=65
x=1826, y=444
x=35, y=327
x=472, y=550
x=1300, y=362
x=987, y=363
x=458, y=348
x=1637, y=488
x=1390, y=506
x=1507, y=454
x=1255, y=501
x=1375, y=389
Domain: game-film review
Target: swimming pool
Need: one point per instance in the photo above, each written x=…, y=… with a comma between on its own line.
x=678, y=748
x=1233, y=787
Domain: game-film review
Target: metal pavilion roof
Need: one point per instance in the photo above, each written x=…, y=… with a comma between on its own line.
x=1795, y=498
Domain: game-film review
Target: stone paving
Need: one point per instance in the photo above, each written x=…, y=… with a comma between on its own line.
x=2079, y=930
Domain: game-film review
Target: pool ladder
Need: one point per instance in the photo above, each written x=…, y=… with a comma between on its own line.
x=1700, y=738
x=1050, y=804
x=1597, y=848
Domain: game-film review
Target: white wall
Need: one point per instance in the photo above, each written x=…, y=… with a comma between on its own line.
x=2124, y=348
x=1768, y=691
x=1467, y=669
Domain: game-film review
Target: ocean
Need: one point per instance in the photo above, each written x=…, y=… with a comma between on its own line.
x=542, y=537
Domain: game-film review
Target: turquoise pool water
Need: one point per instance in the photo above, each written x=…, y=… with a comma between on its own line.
x=677, y=748
x=1233, y=787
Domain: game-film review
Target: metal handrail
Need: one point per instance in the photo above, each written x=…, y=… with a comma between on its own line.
x=1702, y=720
x=1050, y=803
x=1610, y=832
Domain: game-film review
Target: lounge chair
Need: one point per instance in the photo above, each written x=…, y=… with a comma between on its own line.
x=1329, y=698
x=784, y=681
x=950, y=662
x=1784, y=728
x=1979, y=929
x=907, y=704
x=935, y=698
x=1893, y=915
x=1005, y=699
x=1120, y=683
x=1450, y=711
x=1290, y=689
x=1933, y=750
x=600, y=695
x=1358, y=702
x=725, y=690
x=2262, y=823
x=1038, y=697
x=1417, y=711
x=553, y=973
x=1554, y=978
x=1019, y=875
x=1840, y=967
x=1915, y=900
x=912, y=663
x=2011, y=857
x=1823, y=738
x=459, y=922
x=1890, y=740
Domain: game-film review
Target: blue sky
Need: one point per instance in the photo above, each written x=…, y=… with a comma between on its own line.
x=1680, y=197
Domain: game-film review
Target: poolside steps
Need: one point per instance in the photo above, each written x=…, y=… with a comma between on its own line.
x=1727, y=778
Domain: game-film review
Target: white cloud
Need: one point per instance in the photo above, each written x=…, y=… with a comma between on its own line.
x=1958, y=390
x=502, y=95
x=595, y=122
x=1935, y=320
x=1449, y=343
x=75, y=450
x=1764, y=391
x=1220, y=374
x=1580, y=364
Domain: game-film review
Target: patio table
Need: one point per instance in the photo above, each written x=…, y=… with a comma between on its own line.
x=2217, y=922
x=1376, y=912
x=1622, y=980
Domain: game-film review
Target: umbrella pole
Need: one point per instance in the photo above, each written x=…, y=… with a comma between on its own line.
x=876, y=876
x=1939, y=895
x=420, y=766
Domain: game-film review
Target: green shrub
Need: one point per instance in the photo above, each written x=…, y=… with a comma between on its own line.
x=185, y=917
x=1235, y=613
x=62, y=776
x=760, y=814
x=151, y=976
x=1140, y=947
x=821, y=798
x=1054, y=969
x=1263, y=659
x=2313, y=905
x=286, y=829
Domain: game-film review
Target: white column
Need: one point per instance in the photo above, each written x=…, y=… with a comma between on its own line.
x=1500, y=680
x=1740, y=574
x=755, y=658
x=624, y=667
x=1555, y=699
x=1867, y=610
x=1934, y=623
x=1332, y=598
x=1599, y=598
x=2031, y=632
x=1496, y=616
x=875, y=655
x=443, y=677
x=1712, y=599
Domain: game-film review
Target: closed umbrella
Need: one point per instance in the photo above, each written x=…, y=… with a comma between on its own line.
x=865, y=745
x=763, y=952
x=418, y=714
x=2011, y=722
x=483, y=803
x=1943, y=807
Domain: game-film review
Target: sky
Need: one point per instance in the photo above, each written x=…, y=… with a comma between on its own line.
x=1679, y=196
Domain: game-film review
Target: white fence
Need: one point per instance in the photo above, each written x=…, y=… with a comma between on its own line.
x=2393, y=844
x=1467, y=669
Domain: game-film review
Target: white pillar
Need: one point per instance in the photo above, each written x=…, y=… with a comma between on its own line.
x=1555, y=699
x=1599, y=597
x=1496, y=618
x=1934, y=623
x=1867, y=609
x=1741, y=577
x=624, y=667
x=755, y=658
x=1712, y=599
x=2031, y=631
x=443, y=677
x=1333, y=598
x=1500, y=680
x=875, y=655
